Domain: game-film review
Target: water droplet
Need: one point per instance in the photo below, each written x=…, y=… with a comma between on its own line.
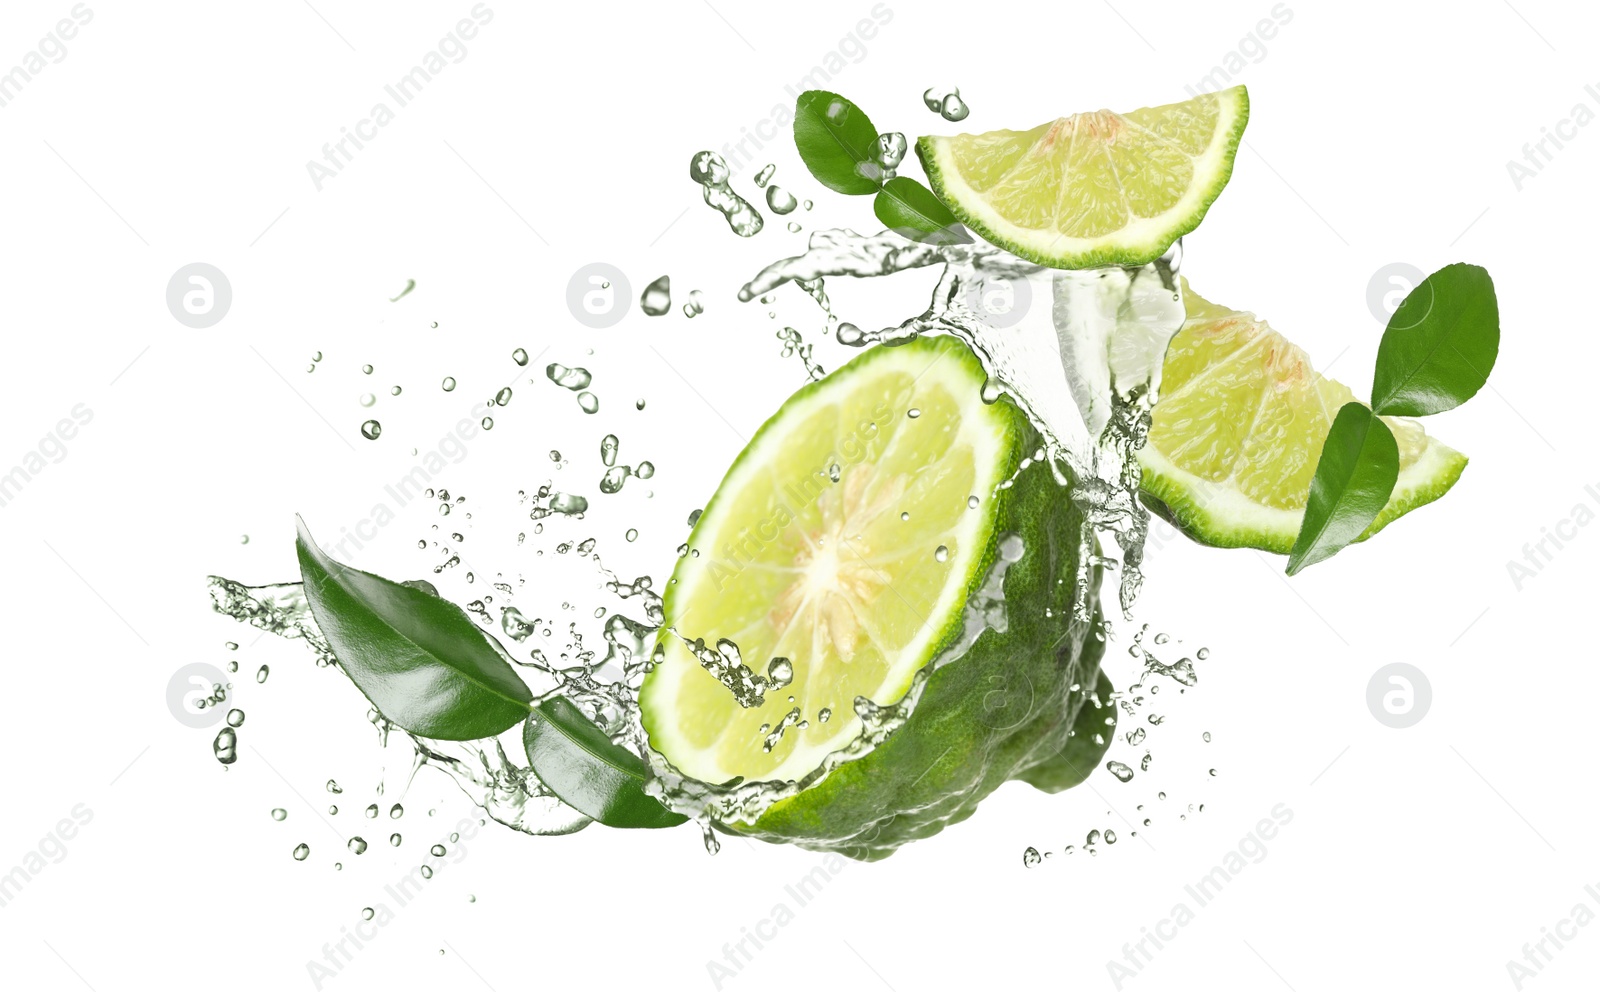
x=933, y=98
x=905, y=515
x=710, y=171
x=632, y=535
x=372, y=811
x=696, y=304
x=1206, y=737
x=780, y=673
x=280, y=814
x=357, y=845
x=395, y=391
x=588, y=402
x=644, y=470
x=941, y=553
x=1203, y=654
x=694, y=517
x=657, y=297
x=366, y=913
x=972, y=502
x=236, y=718
x=614, y=478
x=488, y=423
x=503, y=397
x=333, y=811
x=891, y=151
x=226, y=746
x=780, y=200
x=371, y=429
x=1030, y=857
x=302, y=852
x=449, y=384
x=427, y=873
x=333, y=787
x=913, y=413
x=849, y=334
x=1111, y=835
x=608, y=449
x=262, y=673
x=793, y=226
x=437, y=850
x=394, y=840
x=1122, y=772
x=638, y=404
x=396, y=811
x=520, y=356
x=766, y=173
x=954, y=108
x=367, y=369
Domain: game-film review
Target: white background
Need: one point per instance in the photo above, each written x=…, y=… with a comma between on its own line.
x=179, y=132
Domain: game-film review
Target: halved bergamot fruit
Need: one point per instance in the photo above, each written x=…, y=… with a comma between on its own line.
x=870, y=531
x=1238, y=429
x=1098, y=188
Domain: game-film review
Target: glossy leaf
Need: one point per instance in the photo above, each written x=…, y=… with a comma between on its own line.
x=837, y=142
x=1355, y=475
x=587, y=770
x=1440, y=344
x=420, y=659
x=910, y=209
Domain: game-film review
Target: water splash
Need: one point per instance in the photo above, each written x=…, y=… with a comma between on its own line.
x=710, y=171
x=1079, y=350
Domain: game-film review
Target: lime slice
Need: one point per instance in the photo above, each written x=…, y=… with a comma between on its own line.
x=1239, y=427
x=842, y=540
x=1092, y=189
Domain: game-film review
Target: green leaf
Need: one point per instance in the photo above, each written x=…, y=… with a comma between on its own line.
x=837, y=142
x=910, y=209
x=1354, y=478
x=588, y=770
x=1440, y=344
x=420, y=659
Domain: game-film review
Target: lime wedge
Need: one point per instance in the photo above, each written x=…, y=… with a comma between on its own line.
x=841, y=540
x=1092, y=189
x=1238, y=429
